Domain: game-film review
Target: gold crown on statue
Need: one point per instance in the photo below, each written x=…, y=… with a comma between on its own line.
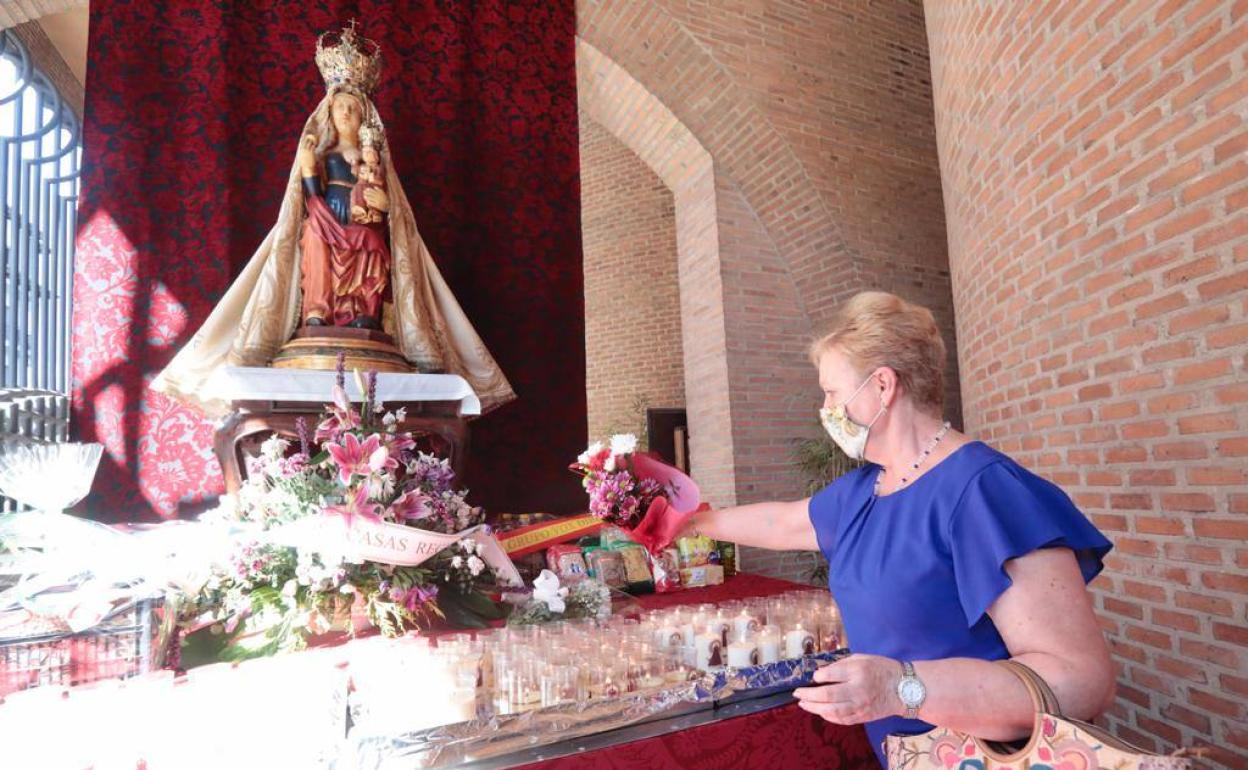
x=354, y=60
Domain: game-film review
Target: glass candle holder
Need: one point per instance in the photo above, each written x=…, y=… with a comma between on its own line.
x=743, y=653
x=708, y=651
x=560, y=684
x=798, y=641
x=745, y=625
x=770, y=641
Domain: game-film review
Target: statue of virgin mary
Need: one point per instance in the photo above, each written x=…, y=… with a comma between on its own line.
x=345, y=252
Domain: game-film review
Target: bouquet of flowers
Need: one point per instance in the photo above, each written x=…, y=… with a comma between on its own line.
x=273, y=591
x=616, y=494
x=635, y=491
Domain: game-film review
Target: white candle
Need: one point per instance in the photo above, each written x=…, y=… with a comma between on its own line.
x=687, y=632
x=742, y=654
x=744, y=626
x=722, y=624
x=669, y=636
x=708, y=650
x=769, y=648
x=798, y=642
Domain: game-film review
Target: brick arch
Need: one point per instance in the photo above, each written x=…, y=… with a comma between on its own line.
x=615, y=100
x=660, y=52
x=743, y=322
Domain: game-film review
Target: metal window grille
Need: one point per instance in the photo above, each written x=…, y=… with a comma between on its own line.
x=40, y=159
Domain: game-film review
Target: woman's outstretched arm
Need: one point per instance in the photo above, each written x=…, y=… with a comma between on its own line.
x=780, y=526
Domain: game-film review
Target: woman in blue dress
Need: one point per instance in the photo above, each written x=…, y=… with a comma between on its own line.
x=944, y=555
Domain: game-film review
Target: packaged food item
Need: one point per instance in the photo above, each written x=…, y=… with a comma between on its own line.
x=714, y=574
x=728, y=558
x=693, y=577
x=666, y=568
x=530, y=565
x=606, y=566
x=695, y=551
x=567, y=562
x=705, y=575
x=636, y=570
x=613, y=537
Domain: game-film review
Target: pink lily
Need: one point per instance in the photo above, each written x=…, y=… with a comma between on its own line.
x=356, y=504
x=356, y=458
x=411, y=505
x=401, y=441
x=342, y=417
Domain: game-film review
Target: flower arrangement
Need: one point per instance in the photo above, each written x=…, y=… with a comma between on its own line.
x=549, y=601
x=269, y=595
x=617, y=494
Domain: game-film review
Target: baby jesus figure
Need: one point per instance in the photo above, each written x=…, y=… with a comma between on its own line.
x=368, y=175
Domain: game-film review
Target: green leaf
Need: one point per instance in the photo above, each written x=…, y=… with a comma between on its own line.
x=481, y=605
x=202, y=647
x=461, y=617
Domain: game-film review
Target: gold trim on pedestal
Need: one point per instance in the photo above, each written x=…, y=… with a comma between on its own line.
x=316, y=352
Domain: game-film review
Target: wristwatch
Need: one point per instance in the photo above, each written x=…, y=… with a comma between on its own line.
x=911, y=690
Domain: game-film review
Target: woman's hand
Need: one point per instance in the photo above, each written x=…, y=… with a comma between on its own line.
x=306, y=155
x=376, y=198
x=856, y=689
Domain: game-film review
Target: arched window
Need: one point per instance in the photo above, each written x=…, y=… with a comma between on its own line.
x=40, y=159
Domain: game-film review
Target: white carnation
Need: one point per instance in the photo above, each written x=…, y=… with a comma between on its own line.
x=623, y=444
x=584, y=457
x=475, y=565
x=274, y=447
x=457, y=562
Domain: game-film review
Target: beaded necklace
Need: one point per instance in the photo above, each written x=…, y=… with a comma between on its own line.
x=931, y=446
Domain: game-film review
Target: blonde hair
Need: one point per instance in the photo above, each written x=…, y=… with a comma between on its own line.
x=875, y=328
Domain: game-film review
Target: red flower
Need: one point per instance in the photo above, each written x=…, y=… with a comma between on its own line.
x=599, y=461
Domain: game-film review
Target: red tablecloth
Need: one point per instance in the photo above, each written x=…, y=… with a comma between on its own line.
x=783, y=737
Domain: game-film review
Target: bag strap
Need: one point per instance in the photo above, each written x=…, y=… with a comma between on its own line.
x=1042, y=696
x=1044, y=702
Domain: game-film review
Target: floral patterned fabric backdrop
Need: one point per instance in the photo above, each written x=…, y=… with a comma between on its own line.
x=193, y=114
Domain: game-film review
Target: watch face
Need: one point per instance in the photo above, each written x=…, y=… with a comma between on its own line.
x=911, y=692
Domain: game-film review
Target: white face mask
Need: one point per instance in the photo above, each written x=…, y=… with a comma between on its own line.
x=848, y=435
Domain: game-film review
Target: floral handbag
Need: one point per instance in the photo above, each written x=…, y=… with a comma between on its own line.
x=1056, y=743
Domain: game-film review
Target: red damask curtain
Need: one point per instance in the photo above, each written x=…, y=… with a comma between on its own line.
x=193, y=111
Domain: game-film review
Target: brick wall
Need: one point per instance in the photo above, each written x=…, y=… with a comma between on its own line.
x=822, y=181
x=1095, y=167
x=48, y=60
x=632, y=300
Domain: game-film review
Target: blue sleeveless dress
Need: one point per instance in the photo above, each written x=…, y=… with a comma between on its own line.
x=915, y=572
